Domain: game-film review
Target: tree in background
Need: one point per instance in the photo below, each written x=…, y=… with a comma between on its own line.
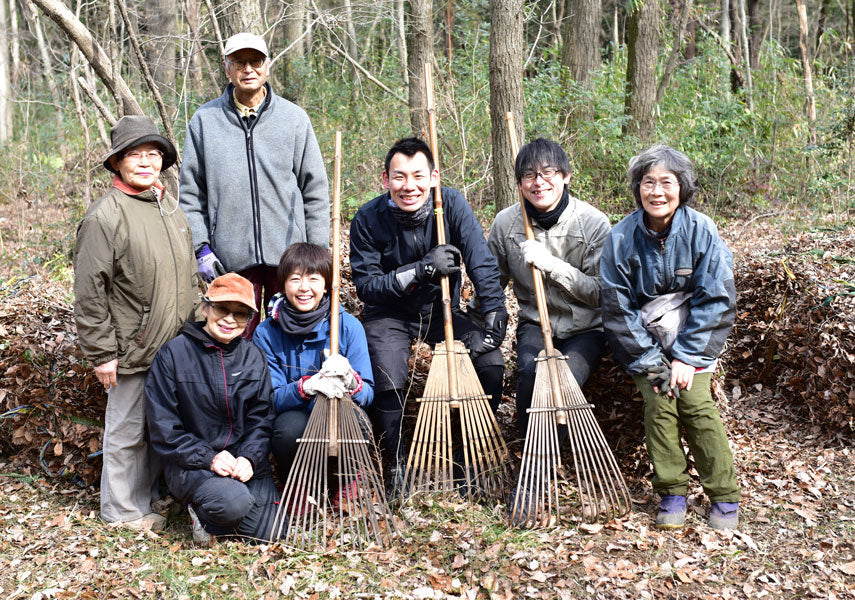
x=642, y=56
x=506, y=93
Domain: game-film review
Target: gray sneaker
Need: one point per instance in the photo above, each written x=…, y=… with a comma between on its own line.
x=199, y=534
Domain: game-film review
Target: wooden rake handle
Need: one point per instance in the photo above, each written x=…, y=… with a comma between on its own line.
x=332, y=449
x=539, y=290
x=440, y=240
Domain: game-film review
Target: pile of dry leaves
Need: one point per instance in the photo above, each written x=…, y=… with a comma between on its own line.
x=51, y=403
x=795, y=328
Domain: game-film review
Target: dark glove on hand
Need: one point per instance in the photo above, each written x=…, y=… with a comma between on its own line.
x=660, y=377
x=442, y=260
x=491, y=337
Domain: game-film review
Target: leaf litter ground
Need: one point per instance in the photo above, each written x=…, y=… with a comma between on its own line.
x=786, y=398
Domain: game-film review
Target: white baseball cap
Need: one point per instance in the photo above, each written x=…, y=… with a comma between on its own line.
x=242, y=40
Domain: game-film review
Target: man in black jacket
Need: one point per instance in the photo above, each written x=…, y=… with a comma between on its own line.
x=397, y=265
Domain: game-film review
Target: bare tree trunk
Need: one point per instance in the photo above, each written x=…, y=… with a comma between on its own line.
x=757, y=28
x=5, y=79
x=449, y=23
x=743, y=30
x=420, y=51
x=162, y=25
x=244, y=15
x=825, y=6
x=724, y=28
x=804, y=46
x=682, y=22
x=506, y=69
x=16, y=41
x=81, y=117
x=34, y=22
x=402, y=38
x=196, y=52
x=642, y=31
x=581, y=50
x=352, y=47
x=295, y=17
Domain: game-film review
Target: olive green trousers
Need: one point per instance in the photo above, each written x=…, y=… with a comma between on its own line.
x=697, y=414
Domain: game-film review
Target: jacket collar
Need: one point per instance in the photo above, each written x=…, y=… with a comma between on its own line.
x=155, y=192
x=676, y=222
x=229, y=98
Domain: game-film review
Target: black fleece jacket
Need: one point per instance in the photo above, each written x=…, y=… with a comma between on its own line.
x=379, y=245
x=203, y=397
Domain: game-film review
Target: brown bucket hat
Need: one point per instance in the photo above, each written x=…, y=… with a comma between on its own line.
x=134, y=130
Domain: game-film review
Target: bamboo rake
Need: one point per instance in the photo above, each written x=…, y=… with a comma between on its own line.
x=600, y=484
x=452, y=383
x=336, y=432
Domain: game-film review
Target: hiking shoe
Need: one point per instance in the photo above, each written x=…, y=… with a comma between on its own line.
x=724, y=515
x=149, y=522
x=672, y=512
x=199, y=534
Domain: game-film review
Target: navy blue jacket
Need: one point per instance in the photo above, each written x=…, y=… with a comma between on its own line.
x=203, y=397
x=379, y=245
x=290, y=357
x=635, y=268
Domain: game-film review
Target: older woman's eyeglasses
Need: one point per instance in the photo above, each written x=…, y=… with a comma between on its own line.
x=241, y=315
x=138, y=155
x=648, y=185
x=531, y=176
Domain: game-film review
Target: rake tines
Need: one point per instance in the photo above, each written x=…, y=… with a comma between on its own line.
x=600, y=483
x=363, y=514
x=430, y=466
x=536, y=494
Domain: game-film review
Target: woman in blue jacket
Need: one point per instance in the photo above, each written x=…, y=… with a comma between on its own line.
x=668, y=306
x=294, y=338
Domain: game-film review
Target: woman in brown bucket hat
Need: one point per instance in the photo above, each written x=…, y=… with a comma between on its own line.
x=135, y=283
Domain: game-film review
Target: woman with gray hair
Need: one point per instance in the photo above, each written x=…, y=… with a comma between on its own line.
x=668, y=306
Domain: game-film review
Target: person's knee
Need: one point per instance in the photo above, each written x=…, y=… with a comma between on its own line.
x=225, y=502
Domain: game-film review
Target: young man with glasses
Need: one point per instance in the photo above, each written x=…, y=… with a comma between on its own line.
x=569, y=236
x=252, y=178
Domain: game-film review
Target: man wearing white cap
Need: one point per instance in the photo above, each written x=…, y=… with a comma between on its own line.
x=252, y=178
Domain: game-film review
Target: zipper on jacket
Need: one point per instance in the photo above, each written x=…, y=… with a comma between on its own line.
x=253, y=193
x=174, y=265
x=226, y=392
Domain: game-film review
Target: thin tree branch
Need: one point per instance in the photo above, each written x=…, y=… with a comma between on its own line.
x=671, y=65
x=99, y=104
x=368, y=75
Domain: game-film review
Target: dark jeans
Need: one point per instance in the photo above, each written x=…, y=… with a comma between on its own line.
x=583, y=351
x=264, y=284
x=227, y=506
x=389, y=341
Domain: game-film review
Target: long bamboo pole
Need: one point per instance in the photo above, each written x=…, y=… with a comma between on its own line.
x=336, y=283
x=440, y=240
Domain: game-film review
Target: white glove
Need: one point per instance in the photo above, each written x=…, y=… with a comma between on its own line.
x=338, y=366
x=537, y=255
x=322, y=383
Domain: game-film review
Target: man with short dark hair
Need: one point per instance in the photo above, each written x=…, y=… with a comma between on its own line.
x=568, y=238
x=252, y=178
x=397, y=266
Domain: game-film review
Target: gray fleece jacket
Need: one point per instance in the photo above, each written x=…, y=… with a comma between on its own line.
x=251, y=190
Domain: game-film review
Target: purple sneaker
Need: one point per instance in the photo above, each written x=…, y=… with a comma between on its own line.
x=724, y=515
x=672, y=512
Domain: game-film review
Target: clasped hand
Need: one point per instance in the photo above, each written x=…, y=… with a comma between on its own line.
x=226, y=465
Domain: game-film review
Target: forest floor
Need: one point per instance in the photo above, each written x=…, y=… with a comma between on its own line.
x=796, y=537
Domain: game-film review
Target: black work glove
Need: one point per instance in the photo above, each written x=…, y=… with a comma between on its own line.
x=491, y=337
x=660, y=377
x=442, y=260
